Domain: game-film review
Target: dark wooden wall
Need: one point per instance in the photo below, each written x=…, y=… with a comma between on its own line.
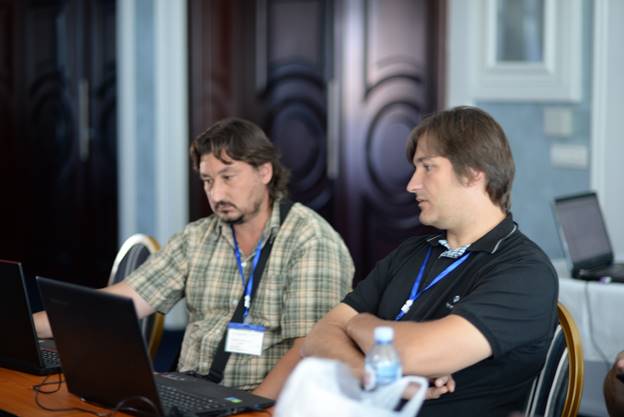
x=337, y=86
x=58, y=124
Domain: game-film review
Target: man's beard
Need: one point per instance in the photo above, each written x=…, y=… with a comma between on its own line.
x=239, y=220
x=242, y=218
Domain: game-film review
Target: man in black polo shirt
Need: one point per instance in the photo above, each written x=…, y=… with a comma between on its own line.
x=477, y=301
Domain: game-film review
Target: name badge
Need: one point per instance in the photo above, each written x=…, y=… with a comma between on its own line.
x=244, y=338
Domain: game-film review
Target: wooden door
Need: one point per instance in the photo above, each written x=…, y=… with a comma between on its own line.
x=266, y=61
x=221, y=70
x=60, y=213
x=337, y=86
x=294, y=65
x=390, y=72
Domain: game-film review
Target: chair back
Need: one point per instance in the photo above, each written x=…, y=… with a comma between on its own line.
x=133, y=252
x=557, y=390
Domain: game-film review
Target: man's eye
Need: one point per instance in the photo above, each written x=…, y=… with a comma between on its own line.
x=427, y=167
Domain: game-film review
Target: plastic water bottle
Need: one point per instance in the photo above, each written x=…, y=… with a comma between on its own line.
x=382, y=365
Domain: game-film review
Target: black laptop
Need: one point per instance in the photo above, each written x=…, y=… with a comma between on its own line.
x=105, y=361
x=20, y=348
x=585, y=239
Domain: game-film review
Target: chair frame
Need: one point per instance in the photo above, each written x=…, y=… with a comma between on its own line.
x=159, y=319
x=149, y=242
x=571, y=360
x=575, y=362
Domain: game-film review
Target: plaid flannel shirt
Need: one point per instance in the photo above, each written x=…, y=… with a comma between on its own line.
x=308, y=272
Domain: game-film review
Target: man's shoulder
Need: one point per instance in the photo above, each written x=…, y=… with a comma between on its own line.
x=417, y=242
x=308, y=224
x=522, y=254
x=306, y=233
x=197, y=229
x=522, y=247
x=202, y=223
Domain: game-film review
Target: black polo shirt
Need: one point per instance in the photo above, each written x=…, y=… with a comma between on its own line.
x=507, y=288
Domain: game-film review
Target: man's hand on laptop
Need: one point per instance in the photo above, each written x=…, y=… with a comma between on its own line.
x=42, y=325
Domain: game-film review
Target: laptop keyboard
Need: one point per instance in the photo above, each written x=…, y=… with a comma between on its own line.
x=614, y=270
x=50, y=358
x=171, y=397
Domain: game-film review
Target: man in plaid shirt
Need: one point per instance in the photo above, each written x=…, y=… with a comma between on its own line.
x=212, y=261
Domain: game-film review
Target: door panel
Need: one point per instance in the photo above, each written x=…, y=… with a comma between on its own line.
x=337, y=86
x=272, y=73
x=387, y=73
x=64, y=210
x=293, y=93
x=218, y=48
x=9, y=75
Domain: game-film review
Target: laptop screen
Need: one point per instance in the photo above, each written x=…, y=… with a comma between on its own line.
x=105, y=360
x=582, y=229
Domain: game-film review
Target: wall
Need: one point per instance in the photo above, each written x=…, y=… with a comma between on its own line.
x=153, y=122
x=538, y=180
x=153, y=117
x=607, y=111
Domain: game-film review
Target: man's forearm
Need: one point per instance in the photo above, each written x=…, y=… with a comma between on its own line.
x=361, y=328
x=275, y=380
x=327, y=340
x=122, y=288
x=427, y=348
x=42, y=323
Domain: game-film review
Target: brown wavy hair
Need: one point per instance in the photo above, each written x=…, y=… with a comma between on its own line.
x=471, y=139
x=244, y=141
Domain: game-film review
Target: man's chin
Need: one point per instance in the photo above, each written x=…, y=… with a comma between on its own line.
x=232, y=220
x=424, y=220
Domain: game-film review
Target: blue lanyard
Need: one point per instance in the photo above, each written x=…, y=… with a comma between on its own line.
x=415, y=293
x=249, y=286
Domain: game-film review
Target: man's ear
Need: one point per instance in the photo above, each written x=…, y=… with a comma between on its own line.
x=474, y=177
x=266, y=172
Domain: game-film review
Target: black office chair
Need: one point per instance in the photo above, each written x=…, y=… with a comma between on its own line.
x=134, y=251
x=558, y=388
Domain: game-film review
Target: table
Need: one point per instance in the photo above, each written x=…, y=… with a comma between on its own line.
x=17, y=397
x=597, y=311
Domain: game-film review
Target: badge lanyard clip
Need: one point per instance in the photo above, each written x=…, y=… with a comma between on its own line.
x=415, y=293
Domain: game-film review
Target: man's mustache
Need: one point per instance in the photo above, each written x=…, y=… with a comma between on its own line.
x=224, y=204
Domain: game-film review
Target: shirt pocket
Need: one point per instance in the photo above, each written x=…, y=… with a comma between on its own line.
x=267, y=304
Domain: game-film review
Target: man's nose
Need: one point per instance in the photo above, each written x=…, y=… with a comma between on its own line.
x=214, y=190
x=415, y=182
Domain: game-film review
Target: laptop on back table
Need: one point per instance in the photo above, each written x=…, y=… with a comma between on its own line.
x=585, y=239
x=20, y=349
x=105, y=360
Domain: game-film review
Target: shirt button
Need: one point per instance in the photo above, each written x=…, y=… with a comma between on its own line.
x=234, y=302
x=244, y=264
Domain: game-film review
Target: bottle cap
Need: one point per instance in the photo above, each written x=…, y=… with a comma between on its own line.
x=384, y=334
